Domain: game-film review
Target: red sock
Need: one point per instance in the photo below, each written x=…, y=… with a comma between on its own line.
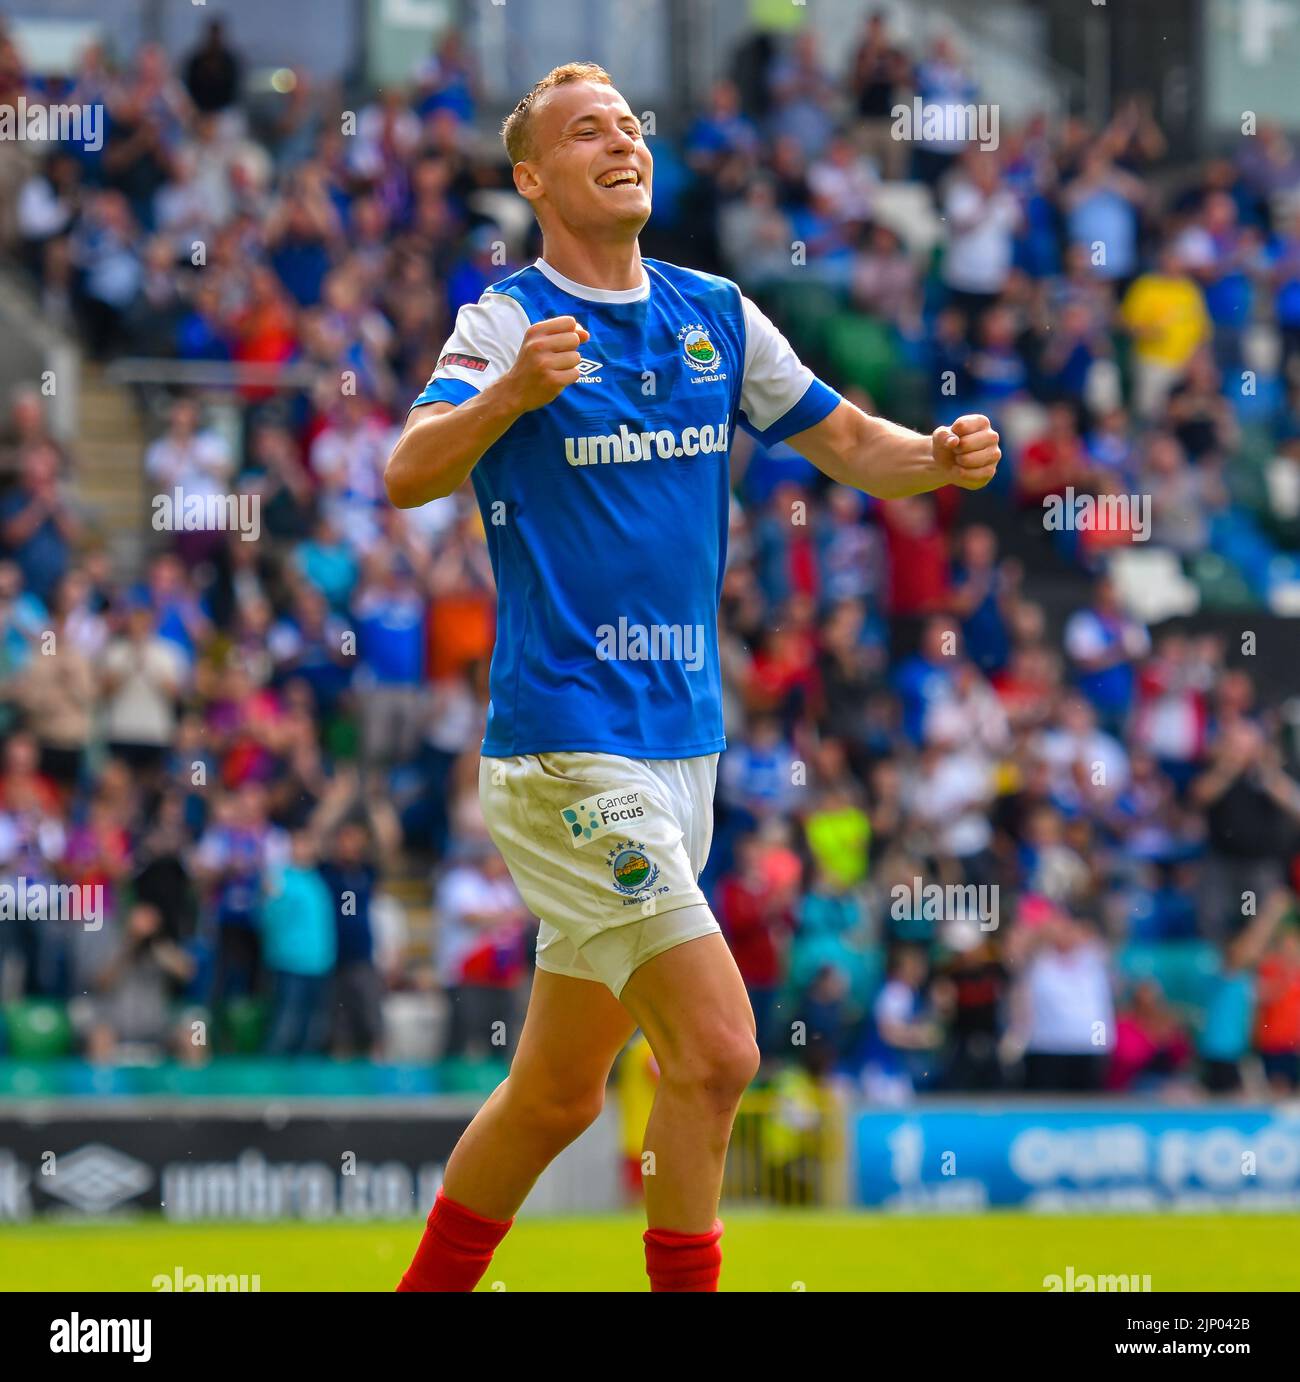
x=456, y=1248
x=683, y=1261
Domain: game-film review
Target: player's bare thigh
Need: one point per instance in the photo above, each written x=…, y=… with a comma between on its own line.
x=691, y=1002
x=573, y=1031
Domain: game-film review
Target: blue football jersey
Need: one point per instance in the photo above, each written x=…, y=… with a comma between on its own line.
x=606, y=511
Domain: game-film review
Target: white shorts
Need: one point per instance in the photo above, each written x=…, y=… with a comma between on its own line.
x=606, y=852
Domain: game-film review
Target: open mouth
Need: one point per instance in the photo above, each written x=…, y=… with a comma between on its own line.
x=619, y=177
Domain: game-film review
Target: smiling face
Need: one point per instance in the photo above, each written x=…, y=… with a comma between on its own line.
x=587, y=166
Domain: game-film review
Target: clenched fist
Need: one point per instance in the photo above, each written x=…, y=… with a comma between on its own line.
x=967, y=452
x=547, y=362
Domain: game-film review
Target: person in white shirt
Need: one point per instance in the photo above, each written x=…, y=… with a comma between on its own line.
x=196, y=459
x=982, y=217
x=1064, y=1004
x=480, y=947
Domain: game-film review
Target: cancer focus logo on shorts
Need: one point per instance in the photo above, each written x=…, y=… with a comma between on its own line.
x=632, y=868
x=602, y=814
x=698, y=350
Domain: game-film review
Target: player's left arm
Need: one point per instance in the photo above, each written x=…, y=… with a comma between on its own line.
x=891, y=462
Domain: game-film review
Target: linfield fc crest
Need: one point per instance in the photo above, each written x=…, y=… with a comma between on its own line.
x=698, y=349
x=632, y=868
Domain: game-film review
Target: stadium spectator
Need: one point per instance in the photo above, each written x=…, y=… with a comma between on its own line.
x=143, y=674
x=1105, y=644
x=984, y=218
x=351, y=874
x=756, y=920
x=480, y=950
x=299, y=949
x=1251, y=806
x=901, y=1034
x=1151, y=1048
x=1066, y=1007
x=1225, y=1038
x=866, y=745
x=1277, y=1012
x=878, y=80
x=212, y=71
x=38, y=524
x=1165, y=312
x=230, y=860
x=135, y=988
x=970, y=991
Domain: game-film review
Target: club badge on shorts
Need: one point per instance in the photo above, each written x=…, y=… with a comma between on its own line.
x=600, y=815
x=632, y=868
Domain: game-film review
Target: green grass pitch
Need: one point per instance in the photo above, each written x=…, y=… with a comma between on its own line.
x=764, y=1251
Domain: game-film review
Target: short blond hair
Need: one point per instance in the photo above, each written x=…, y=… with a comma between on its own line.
x=515, y=130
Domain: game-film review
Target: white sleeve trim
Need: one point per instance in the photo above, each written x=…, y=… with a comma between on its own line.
x=489, y=330
x=775, y=379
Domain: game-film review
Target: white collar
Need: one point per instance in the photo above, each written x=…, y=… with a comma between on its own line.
x=580, y=290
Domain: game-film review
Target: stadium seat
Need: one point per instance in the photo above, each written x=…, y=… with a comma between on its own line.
x=804, y=312
x=1151, y=583
x=1282, y=478
x=37, y=1029
x=907, y=208
x=1221, y=585
x=863, y=352
x=510, y=213
x=1019, y=423
x=242, y=1026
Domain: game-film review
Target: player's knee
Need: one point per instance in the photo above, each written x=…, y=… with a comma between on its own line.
x=718, y=1067
x=559, y=1114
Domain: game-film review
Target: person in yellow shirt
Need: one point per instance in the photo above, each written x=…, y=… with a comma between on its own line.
x=1165, y=313
x=636, y=1077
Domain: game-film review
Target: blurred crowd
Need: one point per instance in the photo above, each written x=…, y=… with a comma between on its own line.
x=965, y=840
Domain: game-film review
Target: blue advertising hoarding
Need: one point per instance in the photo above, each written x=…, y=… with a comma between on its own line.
x=1051, y=1157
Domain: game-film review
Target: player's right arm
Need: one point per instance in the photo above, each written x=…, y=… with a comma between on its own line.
x=444, y=440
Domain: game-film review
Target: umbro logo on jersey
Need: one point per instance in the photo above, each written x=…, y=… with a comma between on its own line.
x=587, y=371
x=626, y=445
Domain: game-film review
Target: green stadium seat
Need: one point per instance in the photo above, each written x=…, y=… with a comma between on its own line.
x=242, y=1026
x=804, y=311
x=863, y=353
x=1221, y=585
x=37, y=1029
x=343, y=737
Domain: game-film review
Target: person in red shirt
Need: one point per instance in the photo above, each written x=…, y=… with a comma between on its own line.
x=266, y=330
x=783, y=675
x=757, y=919
x=1056, y=460
x=1277, y=1012
x=919, y=577
x=22, y=784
